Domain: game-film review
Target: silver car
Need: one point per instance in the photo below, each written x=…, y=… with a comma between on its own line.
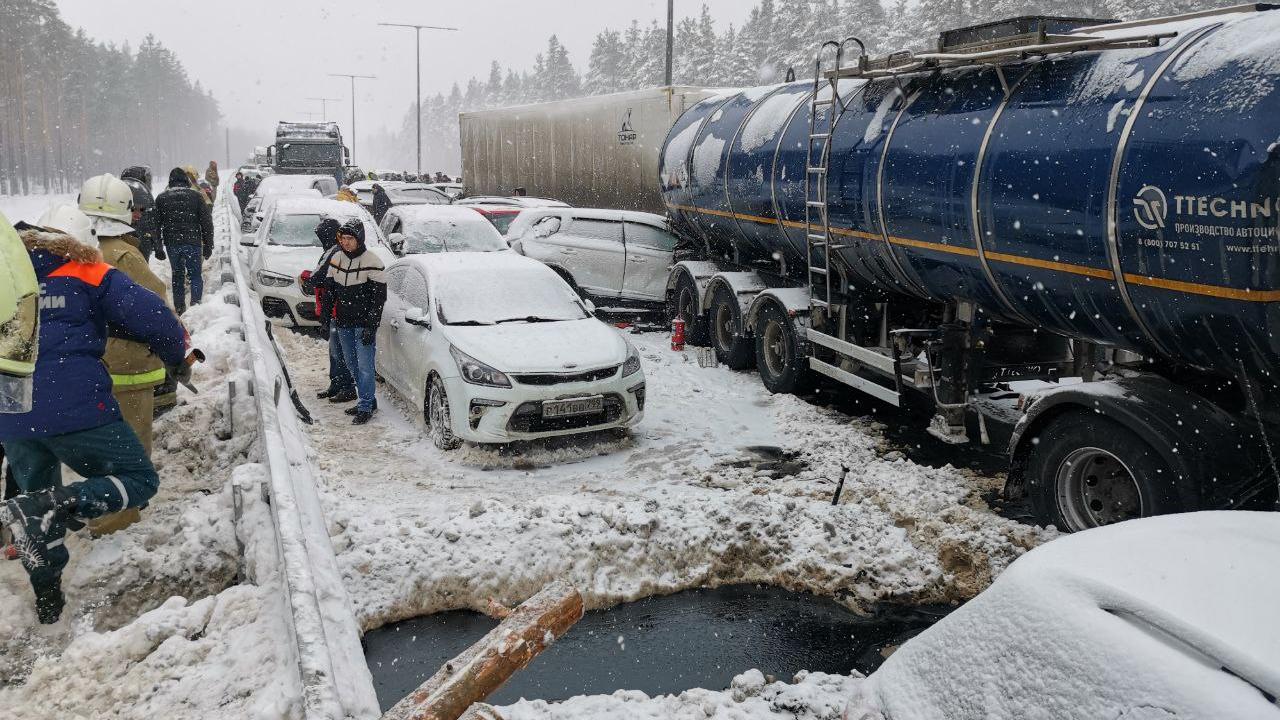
x=615, y=257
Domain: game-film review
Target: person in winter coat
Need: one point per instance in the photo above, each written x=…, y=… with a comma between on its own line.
x=381, y=203
x=136, y=372
x=211, y=175
x=237, y=188
x=143, y=219
x=342, y=387
x=74, y=418
x=354, y=277
x=185, y=225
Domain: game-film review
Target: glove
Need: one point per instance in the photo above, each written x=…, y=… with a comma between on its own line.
x=160, y=255
x=368, y=336
x=181, y=373
x=207, y=252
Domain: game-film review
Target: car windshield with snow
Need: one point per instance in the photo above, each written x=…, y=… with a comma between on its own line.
x=417, y=229
x=496, y=348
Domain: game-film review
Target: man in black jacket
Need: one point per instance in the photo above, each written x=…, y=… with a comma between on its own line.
x=355, y=281
x=381, y=203
x=342, y=386
x=185, y=226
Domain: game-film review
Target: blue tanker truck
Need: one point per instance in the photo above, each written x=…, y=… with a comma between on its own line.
x=1085, y=202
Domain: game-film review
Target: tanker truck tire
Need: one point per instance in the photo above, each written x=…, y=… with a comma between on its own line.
x=683, y=302
x=783, y=368
x=728, y=336
x=1086, y=470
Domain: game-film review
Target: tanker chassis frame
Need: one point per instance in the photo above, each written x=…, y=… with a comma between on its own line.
x=1125, y=440
x=1128, y=437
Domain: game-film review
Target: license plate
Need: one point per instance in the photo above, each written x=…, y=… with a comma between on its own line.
x=574, y=406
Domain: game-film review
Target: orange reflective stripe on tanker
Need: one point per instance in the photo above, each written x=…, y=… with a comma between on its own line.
x=1218, y=291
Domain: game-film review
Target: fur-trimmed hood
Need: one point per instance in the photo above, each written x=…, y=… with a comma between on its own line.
x=60, y=244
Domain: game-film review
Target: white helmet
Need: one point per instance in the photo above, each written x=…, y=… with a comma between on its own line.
x=68, y=218
x=108, y=200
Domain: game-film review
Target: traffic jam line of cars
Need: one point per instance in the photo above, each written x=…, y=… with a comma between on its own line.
x=493, y=345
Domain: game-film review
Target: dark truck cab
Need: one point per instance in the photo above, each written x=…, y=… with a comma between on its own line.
x=309, y=148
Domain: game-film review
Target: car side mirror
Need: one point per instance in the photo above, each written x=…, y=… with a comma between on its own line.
x=590, y=306
x=249, y=240
x=416, y=316
x=518, y=246
x=396, y=241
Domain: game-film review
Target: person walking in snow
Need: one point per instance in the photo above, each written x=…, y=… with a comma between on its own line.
x=342, y=386
x=135, y=371
x=354, y=278
x=381, y=203
x=74, y=418
x=211, y=176
x=185, y=225
x=239, y=188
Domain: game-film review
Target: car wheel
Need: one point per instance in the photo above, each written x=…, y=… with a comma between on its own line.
x=439, y=425
x=783, y=368
x=683, y=302
x=1086, y=470
x=728, y=336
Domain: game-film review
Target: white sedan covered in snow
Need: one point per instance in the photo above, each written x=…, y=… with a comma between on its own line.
x=1167, y=618
x=495, y=347
x=286, y=245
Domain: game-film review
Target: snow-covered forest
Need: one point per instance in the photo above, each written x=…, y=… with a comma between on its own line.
x=71, y=108
x=778, y=35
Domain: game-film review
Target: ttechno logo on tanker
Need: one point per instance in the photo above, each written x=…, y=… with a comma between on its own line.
x=1151, y=210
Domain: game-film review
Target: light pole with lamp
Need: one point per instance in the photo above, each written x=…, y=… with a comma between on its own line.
x=417, y=33
x=353, y=79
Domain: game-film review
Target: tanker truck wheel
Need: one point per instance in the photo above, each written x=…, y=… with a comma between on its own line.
x=728, y=336
x=783, y=368
x=683, y=302
x=1085, y=470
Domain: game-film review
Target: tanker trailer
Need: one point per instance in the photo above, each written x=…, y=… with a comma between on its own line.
x=1041, y=199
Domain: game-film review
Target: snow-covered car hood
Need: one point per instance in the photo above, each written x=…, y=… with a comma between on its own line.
x=564, y=346
x=289, y=261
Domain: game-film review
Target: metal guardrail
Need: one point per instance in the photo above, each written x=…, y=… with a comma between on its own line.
x=335, y=680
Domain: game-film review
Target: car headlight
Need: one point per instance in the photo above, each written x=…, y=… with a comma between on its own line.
x=273, y=280
x=632, y=365
x=476, y=372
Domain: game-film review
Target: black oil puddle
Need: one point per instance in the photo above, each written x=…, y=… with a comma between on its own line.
x=660, y=645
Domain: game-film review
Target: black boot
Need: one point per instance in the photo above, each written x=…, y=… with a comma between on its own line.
x=343, y=396
x=325, y=393
x=49, y=600
x=34, y=517
x=361, y=418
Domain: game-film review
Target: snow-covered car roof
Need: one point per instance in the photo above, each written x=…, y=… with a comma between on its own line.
x=635, y=216
x=1176, y=612
x=439, y=212
x=524, y=202
x=436, y=264
x=274, y=183
x=297, y=205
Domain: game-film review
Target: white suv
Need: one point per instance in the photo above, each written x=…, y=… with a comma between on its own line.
x=615, y=257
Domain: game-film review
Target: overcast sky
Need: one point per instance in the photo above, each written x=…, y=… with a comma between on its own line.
x=262, y=59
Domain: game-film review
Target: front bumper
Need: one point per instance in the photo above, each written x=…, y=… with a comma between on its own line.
x=478, y=417
x=288, y=304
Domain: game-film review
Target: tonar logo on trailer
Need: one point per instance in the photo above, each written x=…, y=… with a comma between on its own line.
x=627, y=136
x=1207, y=216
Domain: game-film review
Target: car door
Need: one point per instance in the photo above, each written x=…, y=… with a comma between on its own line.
x=649, y=250
x=592, y=251
x=391, y=329
x=415, y=339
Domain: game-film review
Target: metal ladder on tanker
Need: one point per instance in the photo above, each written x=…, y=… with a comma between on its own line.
x=818, y=241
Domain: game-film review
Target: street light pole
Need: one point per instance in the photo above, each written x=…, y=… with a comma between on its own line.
x=353, y=106
x=324, y=107
x=417, y=32
x=671, y=37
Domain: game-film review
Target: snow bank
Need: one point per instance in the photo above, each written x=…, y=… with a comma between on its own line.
x=811, y=696
x=1165, y=617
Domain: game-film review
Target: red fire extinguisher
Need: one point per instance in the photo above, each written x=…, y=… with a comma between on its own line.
x=677, y=334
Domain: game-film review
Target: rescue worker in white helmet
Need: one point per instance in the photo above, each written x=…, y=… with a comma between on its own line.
x=135, y=370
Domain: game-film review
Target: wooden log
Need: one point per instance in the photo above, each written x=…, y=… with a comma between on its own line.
x=481, y=711
x=484, y=667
